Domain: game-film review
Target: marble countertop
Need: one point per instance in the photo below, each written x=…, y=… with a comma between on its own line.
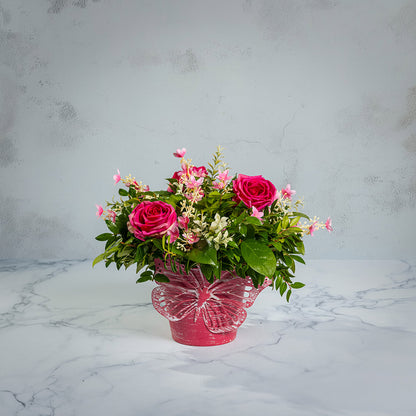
x=81, y=341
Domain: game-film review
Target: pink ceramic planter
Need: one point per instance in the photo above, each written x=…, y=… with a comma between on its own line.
x=200, y=313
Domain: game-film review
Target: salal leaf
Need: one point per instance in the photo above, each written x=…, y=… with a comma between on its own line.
x=161, y=278
x=298, y=258
x=98, y=259
x=259, y=257
x=300, y=214
x=206, y=255
x=143, y=279
x=104, y=237
x=297, y=285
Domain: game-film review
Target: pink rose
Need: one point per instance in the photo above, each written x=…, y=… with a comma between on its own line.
x=151, y=219
x=254, y=191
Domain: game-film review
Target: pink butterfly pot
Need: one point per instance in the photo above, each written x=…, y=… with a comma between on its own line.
x=202, y=313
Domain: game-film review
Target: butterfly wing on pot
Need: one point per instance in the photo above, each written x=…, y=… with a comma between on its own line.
x=225, y=309
x=221, y=304
x=177, y=298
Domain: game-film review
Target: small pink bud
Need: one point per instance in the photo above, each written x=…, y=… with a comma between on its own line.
x=328, y=225
x=191, y=238
x=287, y=192
x=180, y=152
x=112, y=215
x=223, y=176
x=257, y=214
x=117, y=177
x=183, y=222
x=218, y=185
x=312, y=228
x=99, y=210
x=173, y=234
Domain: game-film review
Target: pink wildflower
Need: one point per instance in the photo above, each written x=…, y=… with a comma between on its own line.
x=191, y=238
x=173, y=234
x=257, y=214
x=180, y=152
x=223, y=176
x=117, y=177
x=112, y=215
x=328, y=224
x=196, y=195
x=99, y=210
x=183, y=222
x=199, y=171
x=312, y=228
x=192, y=183
x=287, y=192
x=218, y=185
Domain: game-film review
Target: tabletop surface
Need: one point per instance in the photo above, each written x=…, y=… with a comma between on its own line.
x=81, y=341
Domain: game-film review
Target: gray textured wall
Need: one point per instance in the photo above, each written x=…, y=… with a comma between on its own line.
x=318, y=93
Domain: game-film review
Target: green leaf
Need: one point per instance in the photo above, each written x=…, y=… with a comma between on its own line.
x=161, y=278
x=288, y=260
x=214, y=194
x=252, y=220
x=283, y=288
x=277, y=245
x=300, y=246
x=143, y=279
x=122, y=192
x=297, y=285
x=104, y=237
x=111, y=250
x=158, y=243
x=299, y=214
x=250, y=232
x=207, y=271
x=259, y=257
x=110, y=242
x=278, y=282
x=298, y=258
x=243, y=230
x=206, y=255
x=289, y=292
x=294, y=230
x=139, y=254
x=217, y=270
x=139, y=267
x=285, y=222
x=294, y=221
x=112, y=227
x=98, y=259
x=147, y=273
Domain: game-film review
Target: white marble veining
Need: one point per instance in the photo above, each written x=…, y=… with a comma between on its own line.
x=81, y=341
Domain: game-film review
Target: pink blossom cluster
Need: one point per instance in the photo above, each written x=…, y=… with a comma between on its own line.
x=223, y=180
x=158, y=218
x=108, y=214
x=191, y=178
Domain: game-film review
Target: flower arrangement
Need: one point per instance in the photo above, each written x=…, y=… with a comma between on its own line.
x=206, y=217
